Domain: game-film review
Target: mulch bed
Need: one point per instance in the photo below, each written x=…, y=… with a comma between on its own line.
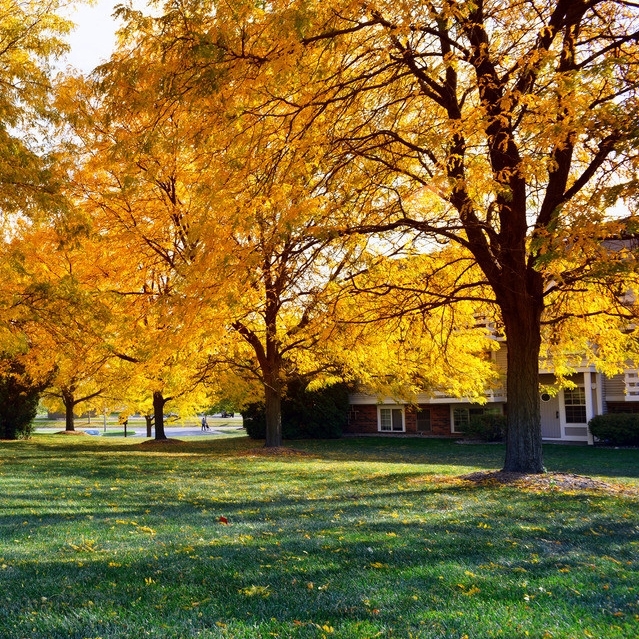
x=71, y=432
x=545, y=481
x=277, y=451
x=161, y=442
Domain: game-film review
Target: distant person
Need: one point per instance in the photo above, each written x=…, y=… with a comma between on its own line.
x=205, y=423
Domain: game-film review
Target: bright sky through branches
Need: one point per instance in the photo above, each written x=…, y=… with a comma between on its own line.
x=93, y=39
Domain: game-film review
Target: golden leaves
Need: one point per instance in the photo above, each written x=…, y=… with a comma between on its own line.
x=256, y=591
x=86, y=545
x=137, y=527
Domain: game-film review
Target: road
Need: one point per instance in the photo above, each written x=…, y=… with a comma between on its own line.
x=137, y=431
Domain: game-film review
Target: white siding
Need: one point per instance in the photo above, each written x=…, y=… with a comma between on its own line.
x=615, y=388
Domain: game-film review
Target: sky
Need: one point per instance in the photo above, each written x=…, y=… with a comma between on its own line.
x=93, y=39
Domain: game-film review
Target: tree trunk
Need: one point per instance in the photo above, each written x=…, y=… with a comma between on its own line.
x=149, y=425
x=269, y=358
x=273, y=400
x=524, y=452
x=69, y=405
x=158, y=415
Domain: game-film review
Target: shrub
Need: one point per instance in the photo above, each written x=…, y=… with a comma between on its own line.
x=620, y=429
x=318, y=414
x=489, y=427
x=254, y=416
x=18, y=402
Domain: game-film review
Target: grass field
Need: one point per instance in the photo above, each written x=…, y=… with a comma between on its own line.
x=356, y=538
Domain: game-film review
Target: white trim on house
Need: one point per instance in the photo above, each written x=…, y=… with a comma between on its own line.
x=364, y=399
x=571, y=430
x=492, y=396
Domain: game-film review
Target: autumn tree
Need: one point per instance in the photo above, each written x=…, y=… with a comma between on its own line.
x=31, y=38
x=504, y=127
x=223, y=236
x=62, y=322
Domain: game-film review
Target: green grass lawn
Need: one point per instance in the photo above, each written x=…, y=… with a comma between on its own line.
x=356, y=538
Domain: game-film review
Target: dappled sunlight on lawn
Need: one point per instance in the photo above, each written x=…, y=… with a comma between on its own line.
x=210, y=539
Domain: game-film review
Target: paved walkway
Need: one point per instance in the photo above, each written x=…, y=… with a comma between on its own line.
x=170, y=431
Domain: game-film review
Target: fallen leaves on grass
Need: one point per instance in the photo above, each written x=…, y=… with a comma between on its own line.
x=542, y=482
x=256, y=591
x=437, y=479
x=86, y=545
x=534, y=482
x=138, y=527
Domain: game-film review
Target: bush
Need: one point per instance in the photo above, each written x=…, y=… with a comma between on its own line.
x=18, y=403
x=318, y=414
x=254, y=416
x=489, y=427
x=619, y=429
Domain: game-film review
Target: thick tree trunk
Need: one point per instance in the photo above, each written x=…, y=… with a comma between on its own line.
x=523, y=433
x=69, y=405
x=273, y=400
x=158, y=415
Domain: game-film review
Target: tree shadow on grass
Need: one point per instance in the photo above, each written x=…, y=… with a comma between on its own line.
x=414, y=451
x=291, y=566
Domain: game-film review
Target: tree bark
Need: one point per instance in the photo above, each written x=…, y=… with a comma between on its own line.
x=270, y=362
x=524, y=453
x=158, y=415
x=69, y=405
x=273, y=401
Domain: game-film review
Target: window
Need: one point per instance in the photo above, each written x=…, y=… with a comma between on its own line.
x=575, y=405
x=391, y=420
x=423, y=420
x=461, y=419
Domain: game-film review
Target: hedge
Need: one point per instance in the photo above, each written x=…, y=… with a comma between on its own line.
x=619, y=429
x=489, y=427
x=318, y=414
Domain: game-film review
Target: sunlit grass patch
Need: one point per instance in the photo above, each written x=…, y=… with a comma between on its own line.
x=351, y=538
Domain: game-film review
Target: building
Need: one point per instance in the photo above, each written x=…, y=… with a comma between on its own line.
x=564, y=414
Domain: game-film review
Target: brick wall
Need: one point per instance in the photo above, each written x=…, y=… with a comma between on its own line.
x=440, y=421
x=362, y=418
